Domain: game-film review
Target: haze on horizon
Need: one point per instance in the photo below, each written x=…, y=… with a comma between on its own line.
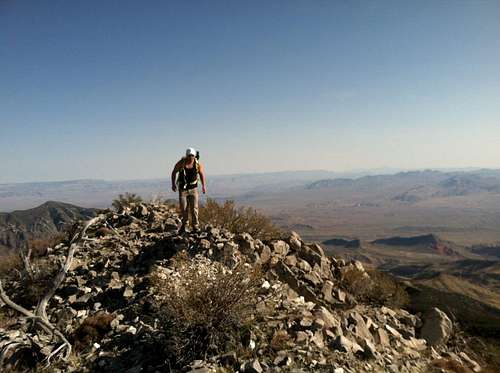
x=118, y=89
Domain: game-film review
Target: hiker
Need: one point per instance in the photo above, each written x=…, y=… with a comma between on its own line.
x=189, y=168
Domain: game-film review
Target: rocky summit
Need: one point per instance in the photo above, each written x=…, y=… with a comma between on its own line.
x=107, y=310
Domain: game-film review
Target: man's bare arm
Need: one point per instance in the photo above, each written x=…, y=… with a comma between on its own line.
x=202, y=177
x=174, y=175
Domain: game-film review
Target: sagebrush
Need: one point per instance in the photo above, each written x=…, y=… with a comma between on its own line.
x=238, y=219
x=206, y=313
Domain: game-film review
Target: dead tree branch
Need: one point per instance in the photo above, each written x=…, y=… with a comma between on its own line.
x=41, y=309
x=44, y=323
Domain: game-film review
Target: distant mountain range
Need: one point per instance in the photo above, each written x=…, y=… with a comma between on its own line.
x=405, y=186
x=411, y=187
x=41, y=222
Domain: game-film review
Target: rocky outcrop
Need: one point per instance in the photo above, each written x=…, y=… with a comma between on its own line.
x=427, y=239
x=350, y=244
x=428, y=242
x=304, y=320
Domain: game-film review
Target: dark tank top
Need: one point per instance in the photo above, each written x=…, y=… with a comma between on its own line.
x=190, y=179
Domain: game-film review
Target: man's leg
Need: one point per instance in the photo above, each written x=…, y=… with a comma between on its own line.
x=184, y=208
x=194, y=209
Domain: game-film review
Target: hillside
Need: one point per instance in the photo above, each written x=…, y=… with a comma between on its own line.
x=208, y=302
x=38, y=223
x=453, y=284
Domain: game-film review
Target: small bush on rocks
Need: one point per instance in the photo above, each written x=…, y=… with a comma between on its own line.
x=387, y=291
x=125, y=200
x=375, y=287
x=39, y=246
x=9, y=263
x=204, y=308
x=92, y=329
x=238, y=219
x=34, y=284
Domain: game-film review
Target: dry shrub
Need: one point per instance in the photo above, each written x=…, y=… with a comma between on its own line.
x=26, y=287
x=387, y=291
x=9, y=263
x=238, y=219
x=39, y=246
x=92, y=329
x=7, y=318
x=206, y=310
x=125, y=200
x=376, y=287
x=35, y=284
x=357, y=283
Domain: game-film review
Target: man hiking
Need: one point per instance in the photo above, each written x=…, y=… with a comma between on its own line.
x=188, y=169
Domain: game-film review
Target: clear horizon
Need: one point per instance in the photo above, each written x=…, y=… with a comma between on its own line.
x=372, y=171
x=117, y=90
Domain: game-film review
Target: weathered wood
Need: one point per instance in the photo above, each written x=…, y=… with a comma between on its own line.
x=44, y=323
x=41, y=309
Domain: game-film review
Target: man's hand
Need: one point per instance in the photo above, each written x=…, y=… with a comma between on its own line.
x=174, y=188
x=203, y=189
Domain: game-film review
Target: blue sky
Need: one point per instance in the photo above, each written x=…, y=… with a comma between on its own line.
x=118, y=89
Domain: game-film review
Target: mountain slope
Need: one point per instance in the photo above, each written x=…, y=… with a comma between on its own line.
x=38, y=223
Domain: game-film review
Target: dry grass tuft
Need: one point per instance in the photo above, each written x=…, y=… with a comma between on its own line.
x=238, y=219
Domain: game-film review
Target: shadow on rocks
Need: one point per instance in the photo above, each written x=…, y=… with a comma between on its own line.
x=141, y=352
x=149, y=255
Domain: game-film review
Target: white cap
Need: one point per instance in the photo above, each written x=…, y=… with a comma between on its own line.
x=190, y=151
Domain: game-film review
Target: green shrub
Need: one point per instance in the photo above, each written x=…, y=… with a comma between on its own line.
x=238, y=219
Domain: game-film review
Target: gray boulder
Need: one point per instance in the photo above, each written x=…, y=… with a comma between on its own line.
x=437, y=327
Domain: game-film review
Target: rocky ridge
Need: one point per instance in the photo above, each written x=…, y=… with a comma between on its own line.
x=108, y=310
